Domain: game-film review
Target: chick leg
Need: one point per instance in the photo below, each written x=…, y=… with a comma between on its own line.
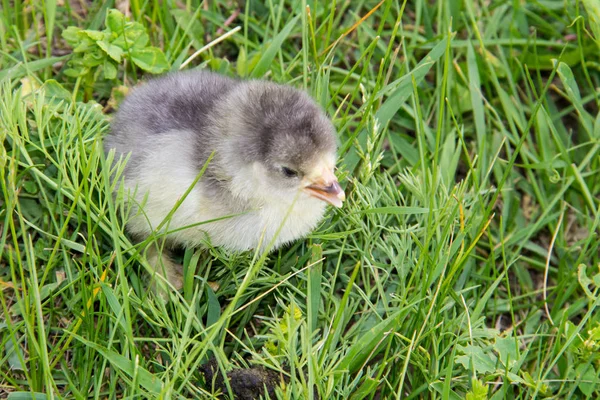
x=164, y=266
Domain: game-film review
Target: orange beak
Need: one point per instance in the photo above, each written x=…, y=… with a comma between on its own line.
x=327, y=188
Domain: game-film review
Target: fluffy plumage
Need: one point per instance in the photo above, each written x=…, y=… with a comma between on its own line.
x=272, y=170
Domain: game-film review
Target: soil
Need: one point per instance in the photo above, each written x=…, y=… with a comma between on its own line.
x=245, y=383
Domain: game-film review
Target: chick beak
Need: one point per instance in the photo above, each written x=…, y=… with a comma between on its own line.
x=327, y=188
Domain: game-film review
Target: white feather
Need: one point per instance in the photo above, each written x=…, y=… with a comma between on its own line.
x=280, y=215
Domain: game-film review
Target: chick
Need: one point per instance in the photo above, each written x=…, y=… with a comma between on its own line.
x=269, y=179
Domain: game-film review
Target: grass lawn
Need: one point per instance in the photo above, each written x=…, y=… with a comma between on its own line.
x=464, y=264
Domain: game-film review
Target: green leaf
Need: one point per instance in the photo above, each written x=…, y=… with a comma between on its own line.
x=133, y=37
x=93, y=59
x=140, y=40
x=241, y=65
x=533, y=383
x=475, y=358
x=150, y=59
x=597, y=127
x=192, y=27
x=589, y=381
x=110, y=69
x=368, y=344
x=66, y=242
x=251, y=64
x=85, y=45
x=113, y=51
x=479, y=391
x=220, y=66
x=26, y=396
x=483, y=299
x=54, y=89
x=334, y=332
x=71, y=35
x=76, y=72
x=55, y=93
x=592, y=7
x=214, y=307
x=507, y=349
x=20, y=70
x=268, y=55
x=313, y=295
x=476, y=103
x=585, y=281
x=115, y=21
x=30, y=187
x=368, y=387
x=190, y=264
x=405, y=149
x=50, y=17
x=392, y=210
x=14, y=356
x=94, y=35
x=546, y=61
x=512, y=109
x=438, y=387
x=114, y=304
x=571, y=335
x=449, y=158
x=146, y=379
x=572, y=88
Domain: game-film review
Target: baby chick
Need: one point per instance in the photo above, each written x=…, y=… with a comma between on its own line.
x=269, y=179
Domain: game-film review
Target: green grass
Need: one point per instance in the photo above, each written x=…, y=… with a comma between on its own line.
x=465, y=262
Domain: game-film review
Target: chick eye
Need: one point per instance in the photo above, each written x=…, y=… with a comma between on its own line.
x=289, y=173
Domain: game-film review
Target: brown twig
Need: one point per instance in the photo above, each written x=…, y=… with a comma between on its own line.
x=228, y=21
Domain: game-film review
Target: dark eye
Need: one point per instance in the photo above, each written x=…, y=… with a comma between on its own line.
x=289, y=173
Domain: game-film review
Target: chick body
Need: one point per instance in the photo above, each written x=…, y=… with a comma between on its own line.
x=257, y=133
x=163, y=178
